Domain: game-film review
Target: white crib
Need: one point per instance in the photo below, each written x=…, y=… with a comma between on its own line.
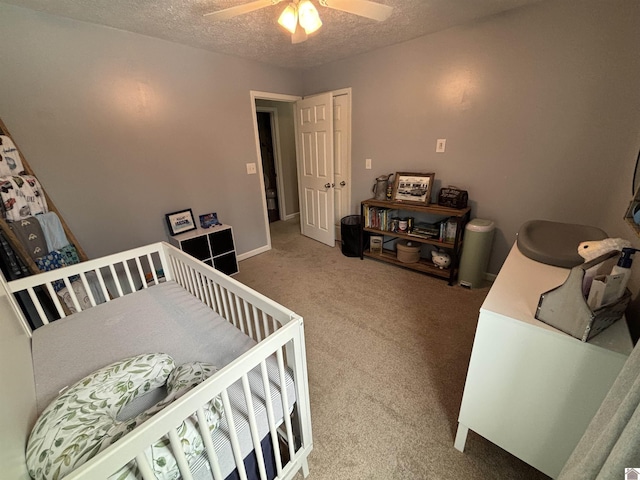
x=277, y=331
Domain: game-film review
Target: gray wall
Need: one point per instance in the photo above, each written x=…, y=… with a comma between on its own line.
x=540, y=108
x=123, y=128
x=286, y=130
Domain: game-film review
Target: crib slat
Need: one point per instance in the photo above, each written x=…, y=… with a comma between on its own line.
x=144, y=467
x=256, y=323
x=141, y=273
x=56, y=300
x=178, y=453
x=87, y=289
x=235, y=445
x=216, y=290
x=236, y=313
x=225, y=308
x=271, y=416
x=285, y=402
x=253, y=427
x=208, y=445
x=265, y=324
x=194, y=282
x=247, y=316
x=125, y=263
x=116, y=280
x=207, y=291
x=36, y=302
x=103, y=286
x=72, y=294
x=202, y=287
x=153, y=269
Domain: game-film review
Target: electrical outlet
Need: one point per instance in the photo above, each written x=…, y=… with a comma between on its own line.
x=367, y=164
x=251, y=169
x=441, y=143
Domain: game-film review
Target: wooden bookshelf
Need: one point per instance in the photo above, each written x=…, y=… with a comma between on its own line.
x=424, y=265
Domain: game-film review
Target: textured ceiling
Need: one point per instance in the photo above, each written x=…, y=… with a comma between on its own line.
x=257, y=36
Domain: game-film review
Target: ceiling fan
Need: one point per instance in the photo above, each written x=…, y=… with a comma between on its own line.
x=301, y=18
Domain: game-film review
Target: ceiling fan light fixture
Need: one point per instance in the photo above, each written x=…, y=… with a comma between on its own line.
x=308, y=16
x=289, y=18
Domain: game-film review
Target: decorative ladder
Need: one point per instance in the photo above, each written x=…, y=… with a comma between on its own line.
x=17, y=247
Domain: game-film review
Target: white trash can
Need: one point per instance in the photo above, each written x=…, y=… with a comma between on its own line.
x=476, y=250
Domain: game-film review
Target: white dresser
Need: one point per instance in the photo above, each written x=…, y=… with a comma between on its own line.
x=531, y=389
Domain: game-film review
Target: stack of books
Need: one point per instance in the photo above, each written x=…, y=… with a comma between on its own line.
x=426, y=230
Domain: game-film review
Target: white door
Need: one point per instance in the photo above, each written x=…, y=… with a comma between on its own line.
x=314, y=120
x=341, y=158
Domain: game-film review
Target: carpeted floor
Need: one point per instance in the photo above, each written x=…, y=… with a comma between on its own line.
x=388, y=350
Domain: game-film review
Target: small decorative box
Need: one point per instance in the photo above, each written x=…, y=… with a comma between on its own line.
x=453, y=197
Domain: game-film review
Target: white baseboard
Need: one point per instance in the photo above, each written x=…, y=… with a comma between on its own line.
x=490, y=276
x=291, y=216
x=253, y=253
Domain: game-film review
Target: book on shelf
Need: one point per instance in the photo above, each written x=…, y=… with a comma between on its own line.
x=375, y=244
x=377, y=218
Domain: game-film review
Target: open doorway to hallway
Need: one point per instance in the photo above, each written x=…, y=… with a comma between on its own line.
x=276, y=135
x=268, y=155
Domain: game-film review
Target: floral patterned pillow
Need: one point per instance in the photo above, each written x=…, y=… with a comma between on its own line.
x=81, y=422
x=78, y=423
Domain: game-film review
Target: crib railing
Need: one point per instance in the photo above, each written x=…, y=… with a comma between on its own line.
x=166, y=422
x=277, y=331
x=102, y=279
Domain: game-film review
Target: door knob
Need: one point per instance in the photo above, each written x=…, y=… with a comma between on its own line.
x=327, y=185
x=343, y=183
x=333, y=185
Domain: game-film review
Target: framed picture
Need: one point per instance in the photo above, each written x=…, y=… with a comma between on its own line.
x=413, y=187
x=180, y=222
x=209, y=220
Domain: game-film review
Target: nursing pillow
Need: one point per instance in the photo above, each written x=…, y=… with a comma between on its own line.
x=81, y=422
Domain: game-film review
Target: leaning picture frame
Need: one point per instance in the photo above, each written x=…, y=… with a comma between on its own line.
x=180, y=222
x=413, y=188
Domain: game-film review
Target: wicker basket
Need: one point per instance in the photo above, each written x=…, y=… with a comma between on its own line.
x=408, y=251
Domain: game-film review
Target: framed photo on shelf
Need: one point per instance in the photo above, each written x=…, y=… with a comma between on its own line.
x=180, y=222
x=209, y=220
x=414, y=188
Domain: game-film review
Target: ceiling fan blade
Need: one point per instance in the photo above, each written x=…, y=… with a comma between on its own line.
x=299, y=35
x=231, y=12
x=364, y=8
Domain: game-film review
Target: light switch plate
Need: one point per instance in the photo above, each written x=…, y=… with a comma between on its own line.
x=441, y=143
x=251, y=169
x=367, y=164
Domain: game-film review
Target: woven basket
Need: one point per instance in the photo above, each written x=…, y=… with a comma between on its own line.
x=408, y=251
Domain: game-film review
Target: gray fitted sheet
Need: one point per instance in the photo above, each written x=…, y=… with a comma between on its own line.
x=164, y=318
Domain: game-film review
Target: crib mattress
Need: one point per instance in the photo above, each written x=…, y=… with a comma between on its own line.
x=164, y=318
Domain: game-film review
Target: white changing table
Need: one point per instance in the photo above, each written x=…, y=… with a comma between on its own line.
x=531, y=389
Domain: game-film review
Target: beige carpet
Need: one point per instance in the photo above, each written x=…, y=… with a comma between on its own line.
x=388, y=350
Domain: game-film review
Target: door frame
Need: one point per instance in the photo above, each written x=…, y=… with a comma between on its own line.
x=277, y=157
x=278, y=97
x=347, y=92
x=285, y=98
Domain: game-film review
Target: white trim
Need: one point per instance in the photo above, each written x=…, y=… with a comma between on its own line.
x=255, y=95
x=292, y=216
x=252, y=253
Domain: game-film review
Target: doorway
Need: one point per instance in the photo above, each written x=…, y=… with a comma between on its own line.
x=285, y=157
x=265, y=119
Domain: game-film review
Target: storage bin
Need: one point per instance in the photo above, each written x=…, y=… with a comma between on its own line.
x=566, y=309
x=408, y=251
